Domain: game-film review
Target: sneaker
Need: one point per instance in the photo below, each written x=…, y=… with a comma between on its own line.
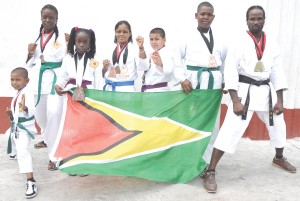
x=202, y=174
x=13, y=157
x=31, y=190
x=210, y=182
x=283, y=164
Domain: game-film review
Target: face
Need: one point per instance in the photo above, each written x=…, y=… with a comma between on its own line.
x=49, y=19
x=18, y=81
x=205, y=16
x=255, y=21
x=122, y=34
x=156, y=41
x=82, y=42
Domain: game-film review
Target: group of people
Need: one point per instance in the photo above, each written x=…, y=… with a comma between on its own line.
x=55, y=63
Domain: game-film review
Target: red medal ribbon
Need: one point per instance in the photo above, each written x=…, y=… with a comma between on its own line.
x=120, y=51
x=259, y=46
x=15, y=102
x=43, y=43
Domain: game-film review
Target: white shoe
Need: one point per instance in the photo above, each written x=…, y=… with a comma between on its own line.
x=31, y=190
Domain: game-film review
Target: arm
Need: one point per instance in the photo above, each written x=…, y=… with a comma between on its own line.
x=31, y=51
x=278, y=107
x=238, y=107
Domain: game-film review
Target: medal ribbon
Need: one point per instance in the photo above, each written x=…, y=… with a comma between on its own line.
x=210, y=43
x=117, y=53
x=44, y=43
x=260, y=47
x=15, y=102
x=84, y=65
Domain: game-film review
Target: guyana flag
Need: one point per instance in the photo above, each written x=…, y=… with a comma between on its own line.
x=157, y=136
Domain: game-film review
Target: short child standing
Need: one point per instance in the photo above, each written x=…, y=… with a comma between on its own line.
x=21, y=114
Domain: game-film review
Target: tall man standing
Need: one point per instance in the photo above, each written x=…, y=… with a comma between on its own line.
x=202, y=54
x=255, y=80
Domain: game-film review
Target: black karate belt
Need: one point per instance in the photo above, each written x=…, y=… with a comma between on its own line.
x=250, y=81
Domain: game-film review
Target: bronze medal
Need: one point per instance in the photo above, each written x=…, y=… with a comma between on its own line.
x=118, y=70
x=212, y=63
x=259, y=67
x=78, y=94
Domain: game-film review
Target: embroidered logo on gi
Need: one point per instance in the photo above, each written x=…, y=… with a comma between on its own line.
x=57, y=44
x=94, y=63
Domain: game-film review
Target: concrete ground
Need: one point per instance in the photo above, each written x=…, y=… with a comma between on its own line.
x=246, y=175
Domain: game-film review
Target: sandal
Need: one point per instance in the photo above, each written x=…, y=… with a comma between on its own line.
x=52, y=166
x=40, y=144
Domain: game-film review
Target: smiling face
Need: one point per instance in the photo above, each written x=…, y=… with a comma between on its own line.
x=82, y=42
x=49, y=19
x=122, y=34
x=205, y=16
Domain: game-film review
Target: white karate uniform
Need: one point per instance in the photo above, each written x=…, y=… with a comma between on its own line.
x=53, y=52
x=133, y=63
x=20, y=136
x=157, y=74
x=241, y=60
x=194, y=52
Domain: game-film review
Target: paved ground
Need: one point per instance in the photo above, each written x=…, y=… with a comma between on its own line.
x=246, y=175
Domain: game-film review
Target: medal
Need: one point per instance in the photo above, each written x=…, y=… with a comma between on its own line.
x=118, y=70
x=259, y=67
x=124, y=72
x=78, y=94
x=112, y=72
x=212, y=63
x=42, y=59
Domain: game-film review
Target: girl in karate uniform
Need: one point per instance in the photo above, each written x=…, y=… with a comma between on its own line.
x=120, y=69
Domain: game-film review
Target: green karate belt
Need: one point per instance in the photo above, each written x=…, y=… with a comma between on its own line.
x=19, y=125
x=202, y=69
x=44, y=67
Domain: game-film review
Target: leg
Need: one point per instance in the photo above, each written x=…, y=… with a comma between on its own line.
x=209, y=149
x=25, y=163
x=277, y=135
x=208, y=152
x=41, y=117
x=227, y=140
x=55, y=107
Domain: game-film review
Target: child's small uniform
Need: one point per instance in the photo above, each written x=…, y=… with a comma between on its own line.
x=43, y=68
x=156, y=78
x=72, y=75
x=122, y=71
x=22, y=131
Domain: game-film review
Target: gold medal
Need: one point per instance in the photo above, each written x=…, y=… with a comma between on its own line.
x=42, y=58
x=259, y=67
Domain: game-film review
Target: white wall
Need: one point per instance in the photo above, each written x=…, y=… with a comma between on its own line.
x=20, y=22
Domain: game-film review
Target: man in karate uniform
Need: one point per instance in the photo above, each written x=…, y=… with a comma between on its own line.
x=255, y=80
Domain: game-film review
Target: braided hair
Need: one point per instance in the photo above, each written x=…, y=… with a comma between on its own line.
x=54, y=9
x=71, y=44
